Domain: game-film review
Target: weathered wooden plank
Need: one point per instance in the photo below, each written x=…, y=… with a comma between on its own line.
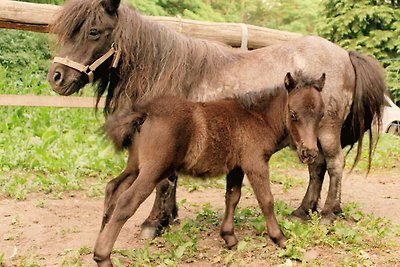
x=49, y=101
x=38, y=17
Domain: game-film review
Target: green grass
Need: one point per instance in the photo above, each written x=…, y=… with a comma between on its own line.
x=385, y=158
x=53, y=150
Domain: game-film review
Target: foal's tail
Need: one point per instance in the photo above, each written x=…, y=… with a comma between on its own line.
x=122, y=126
x=368, y=101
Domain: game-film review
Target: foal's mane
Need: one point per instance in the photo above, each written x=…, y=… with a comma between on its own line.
x=259, y=99
x=155, y=60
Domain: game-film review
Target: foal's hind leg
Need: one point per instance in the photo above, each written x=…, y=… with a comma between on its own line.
x=234, y=181
x=317, y=172
x=259, y=180
x=114, y=189
x=126, y=206
x=164, y=209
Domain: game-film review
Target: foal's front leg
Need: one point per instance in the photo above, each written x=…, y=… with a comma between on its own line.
x=234, y=181
x=259, y=180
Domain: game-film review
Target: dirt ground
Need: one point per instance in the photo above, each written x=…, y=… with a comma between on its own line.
x=51, y=228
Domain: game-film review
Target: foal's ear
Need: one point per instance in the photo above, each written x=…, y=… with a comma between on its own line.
x=110, y=6
x=320, y=82
x=290, y=83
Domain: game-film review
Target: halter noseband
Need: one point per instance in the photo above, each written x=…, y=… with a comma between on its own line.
x=89, y=69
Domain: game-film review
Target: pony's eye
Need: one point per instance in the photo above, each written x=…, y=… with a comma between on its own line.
x=94, y=34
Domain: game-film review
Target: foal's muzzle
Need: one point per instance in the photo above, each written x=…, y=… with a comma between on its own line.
x=307, y=155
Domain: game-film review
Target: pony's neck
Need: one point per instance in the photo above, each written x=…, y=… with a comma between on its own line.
x=158, y=61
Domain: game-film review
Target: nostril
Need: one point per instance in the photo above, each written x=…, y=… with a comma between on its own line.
x=304, y=153
x=57, y=77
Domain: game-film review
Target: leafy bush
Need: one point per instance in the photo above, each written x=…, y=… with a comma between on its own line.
x=368, y=26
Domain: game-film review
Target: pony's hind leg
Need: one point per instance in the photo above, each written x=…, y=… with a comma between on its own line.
x=234, y=181
x=317, y=172
x=164, y=209
x=126, y=206
x=259, y=181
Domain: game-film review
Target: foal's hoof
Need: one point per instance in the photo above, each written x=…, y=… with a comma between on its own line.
x=102, y=262
x=280, y=242
x=149, y=232
x=230, y=241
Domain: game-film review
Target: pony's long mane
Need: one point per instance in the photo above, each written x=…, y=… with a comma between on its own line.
x=155, y=60
x=259, y=99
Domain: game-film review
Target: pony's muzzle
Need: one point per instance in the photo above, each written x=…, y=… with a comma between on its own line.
x=58, y=78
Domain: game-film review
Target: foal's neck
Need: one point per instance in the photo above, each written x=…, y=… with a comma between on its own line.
x=274, y=115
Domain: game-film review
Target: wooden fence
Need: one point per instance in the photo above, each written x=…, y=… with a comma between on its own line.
x=40, y=17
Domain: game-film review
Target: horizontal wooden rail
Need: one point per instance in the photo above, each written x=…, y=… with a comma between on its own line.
x=49, y=101
x=38, y=17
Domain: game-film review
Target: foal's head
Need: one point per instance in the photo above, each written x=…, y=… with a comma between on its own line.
x=305, y=110
x=85, y=31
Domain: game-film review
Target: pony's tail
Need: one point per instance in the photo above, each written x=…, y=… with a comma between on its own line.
x=368, y=102
x=122, y=126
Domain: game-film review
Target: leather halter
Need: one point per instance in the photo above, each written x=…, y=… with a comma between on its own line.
x=89, y=69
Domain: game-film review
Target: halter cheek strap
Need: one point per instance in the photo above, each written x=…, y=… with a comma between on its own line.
x=89, y=69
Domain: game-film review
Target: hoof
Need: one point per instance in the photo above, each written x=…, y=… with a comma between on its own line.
x=149, y=232
x=300, y=215
x=281, y=242
x=230, y=241
x=327, y=218
x=102, y=262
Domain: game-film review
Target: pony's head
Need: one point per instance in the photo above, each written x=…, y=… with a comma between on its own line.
x=85, y=32
x=305, y=111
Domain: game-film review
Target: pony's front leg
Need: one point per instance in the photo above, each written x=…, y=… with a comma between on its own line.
x=317, y=172
x=259, y=180
x=234, y=181
x=335, y=163
x=114, y=189
x=126, y=206
x=164, y=209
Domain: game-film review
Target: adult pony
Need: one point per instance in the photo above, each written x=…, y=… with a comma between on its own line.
x=231, y=136
x=130, y=58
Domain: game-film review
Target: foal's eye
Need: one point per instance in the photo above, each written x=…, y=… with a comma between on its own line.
x=293, y=116
x=94, y=34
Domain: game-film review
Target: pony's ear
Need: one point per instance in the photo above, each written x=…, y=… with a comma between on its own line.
x=290, y=83
x=110, y=6
x=320, y=82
